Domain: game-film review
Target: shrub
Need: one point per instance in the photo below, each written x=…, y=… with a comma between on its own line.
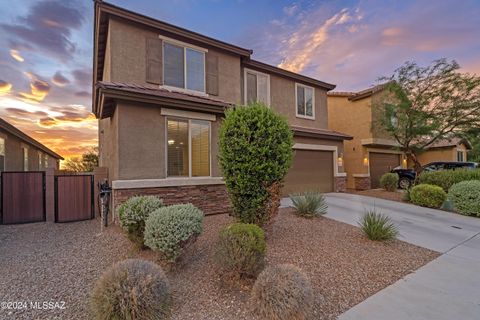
x=171, y=229
x=447, y=178
x=378, y=227
x=465, y=196
x=134, y=212
x=282, y=292
x=389, y=181
x=309, y=204
x=406, y=195
x=255, y=152
x=427, y=195
x=241, y=250
x=131, y=289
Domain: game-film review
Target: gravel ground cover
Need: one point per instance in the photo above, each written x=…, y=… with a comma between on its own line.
x=380, y=193
x=53, y=263
x=62, y=261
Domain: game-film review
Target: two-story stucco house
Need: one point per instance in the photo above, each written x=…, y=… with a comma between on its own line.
x=160, y=93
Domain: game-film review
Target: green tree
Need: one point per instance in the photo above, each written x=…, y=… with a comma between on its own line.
x=421, y=105
x=86, y=163
x=255, y=155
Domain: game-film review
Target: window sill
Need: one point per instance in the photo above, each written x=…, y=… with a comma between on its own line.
x=186, y=91
x=305, y=117
x=168, y=182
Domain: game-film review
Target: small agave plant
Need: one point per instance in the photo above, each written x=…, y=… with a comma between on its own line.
x=309, y=204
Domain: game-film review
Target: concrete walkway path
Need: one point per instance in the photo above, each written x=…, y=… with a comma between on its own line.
x=444, y=289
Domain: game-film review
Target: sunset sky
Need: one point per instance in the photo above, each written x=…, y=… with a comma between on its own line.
x=46, y=48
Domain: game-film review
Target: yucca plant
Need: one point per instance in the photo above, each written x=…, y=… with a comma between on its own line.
x=309, y=204
x=377, y=226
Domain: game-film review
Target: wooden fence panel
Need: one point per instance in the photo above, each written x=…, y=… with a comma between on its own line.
x=23, y=197
x=74, y=198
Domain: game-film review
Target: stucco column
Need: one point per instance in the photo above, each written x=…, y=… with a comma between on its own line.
x=50, y=194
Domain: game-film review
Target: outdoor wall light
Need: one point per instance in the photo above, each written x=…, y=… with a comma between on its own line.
x=365, y=161
x=340, y=160
x=170, y=142
x=404, y=163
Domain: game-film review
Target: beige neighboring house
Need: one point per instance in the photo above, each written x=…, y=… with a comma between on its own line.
x=454, y=149
x=20, y=152
x=371, y=152
x=160, y=92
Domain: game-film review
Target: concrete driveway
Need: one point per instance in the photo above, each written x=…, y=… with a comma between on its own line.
x=444, y=289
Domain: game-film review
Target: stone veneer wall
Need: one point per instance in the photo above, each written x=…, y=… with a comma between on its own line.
x=212, y=199
x=340, y=184
x=362, y=183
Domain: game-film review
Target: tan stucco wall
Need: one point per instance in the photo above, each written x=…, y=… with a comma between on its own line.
x=127, y=46
x=14, y=154
x=442, y=154
x=353, y=118
x=108, y=145
x=141, y=142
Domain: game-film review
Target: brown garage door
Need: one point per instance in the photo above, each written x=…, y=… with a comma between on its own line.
x=311, y=170
x=381, y=163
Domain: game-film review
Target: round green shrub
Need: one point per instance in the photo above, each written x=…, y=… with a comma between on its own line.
x=282, y=292
x=241, y=250
x=427, y=195
x=447, y=178
x=133, y=213
x=131, y=289
x=389, y=181
x=466, y=197
x=255, y=153
x=171, y=229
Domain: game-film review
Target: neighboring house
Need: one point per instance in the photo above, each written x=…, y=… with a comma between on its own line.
x=454, y=149
x=160, y=93
x=372, y=152
x=19, y=152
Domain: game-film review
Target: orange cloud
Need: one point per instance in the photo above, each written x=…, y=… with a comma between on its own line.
x=39, y=90
x=5, y=87
x=16, y=55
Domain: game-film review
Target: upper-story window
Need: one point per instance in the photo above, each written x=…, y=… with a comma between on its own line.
x=25, y=158
x=257, y=87
x=183, y=67
x=2, y=154
x=305, y=101
x=45, y=161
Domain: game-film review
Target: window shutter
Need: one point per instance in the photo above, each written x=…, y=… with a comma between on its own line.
x=212, y=73
x=154, y=61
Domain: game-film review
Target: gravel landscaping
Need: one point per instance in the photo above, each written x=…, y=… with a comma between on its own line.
x=60, y=262
x=54, y=263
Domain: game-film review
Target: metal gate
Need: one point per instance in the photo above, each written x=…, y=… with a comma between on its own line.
x=74, y=198
x=23, y=197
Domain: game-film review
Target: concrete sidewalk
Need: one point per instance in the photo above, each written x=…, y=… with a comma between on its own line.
x=444, y=289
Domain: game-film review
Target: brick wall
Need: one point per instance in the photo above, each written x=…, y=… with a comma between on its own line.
x=362, y=183
x=212, y=199
x=340, y=184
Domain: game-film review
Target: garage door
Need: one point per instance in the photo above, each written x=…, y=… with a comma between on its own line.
x=311, y=170
x=381, y=163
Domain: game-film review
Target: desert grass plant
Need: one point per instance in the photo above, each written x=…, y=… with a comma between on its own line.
x=131, y=289
x=241, y=250
x=170, y=230
x=282, y=292
x=309, y=204
x=133, y=213
x=389, y=181
x=377, y=226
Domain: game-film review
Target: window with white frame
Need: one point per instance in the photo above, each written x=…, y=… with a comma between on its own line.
x=305, y=101
x=25, y=158
x=257, y=87
x=2, y=154
x=183, y=67
x=460, y=156
x=188, y=148
x=40, y=157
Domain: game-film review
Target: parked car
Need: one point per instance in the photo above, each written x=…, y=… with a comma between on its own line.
x=406, y=177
